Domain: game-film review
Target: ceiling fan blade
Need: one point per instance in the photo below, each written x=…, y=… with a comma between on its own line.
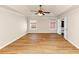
x=33, y=11
x=43, y=13
x=47, y=12
x=36, y=13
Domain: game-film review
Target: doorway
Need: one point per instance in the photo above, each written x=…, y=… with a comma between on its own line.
x=62, y=27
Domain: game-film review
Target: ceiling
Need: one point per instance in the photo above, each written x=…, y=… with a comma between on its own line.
x=54, y=9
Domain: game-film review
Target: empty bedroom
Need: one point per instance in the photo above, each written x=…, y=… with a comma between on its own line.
x=45, y=29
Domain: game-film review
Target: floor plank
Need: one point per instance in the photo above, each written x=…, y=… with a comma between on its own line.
x=40, y=43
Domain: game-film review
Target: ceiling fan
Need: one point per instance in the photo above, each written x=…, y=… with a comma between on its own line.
x=40, y=11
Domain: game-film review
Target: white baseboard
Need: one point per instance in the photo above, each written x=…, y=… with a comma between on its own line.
x=73, y=44
x=41, y=32
x=11, y=41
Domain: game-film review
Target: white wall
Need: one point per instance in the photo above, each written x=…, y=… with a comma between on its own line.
x=43, y=24
x=12, y=26
x=73, y=27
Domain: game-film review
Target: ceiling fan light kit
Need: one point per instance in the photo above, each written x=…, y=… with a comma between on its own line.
x=40, y=14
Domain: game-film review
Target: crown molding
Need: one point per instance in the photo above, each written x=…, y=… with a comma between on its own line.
x=11, y=9
x=70, y=9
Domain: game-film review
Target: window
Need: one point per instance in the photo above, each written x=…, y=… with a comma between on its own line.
x=33, y=24
x=52, y=24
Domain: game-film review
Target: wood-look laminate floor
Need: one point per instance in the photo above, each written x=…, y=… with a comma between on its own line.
x=40, y=43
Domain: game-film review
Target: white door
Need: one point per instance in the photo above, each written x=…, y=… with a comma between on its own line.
x=65, y=27
x=59, y=26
